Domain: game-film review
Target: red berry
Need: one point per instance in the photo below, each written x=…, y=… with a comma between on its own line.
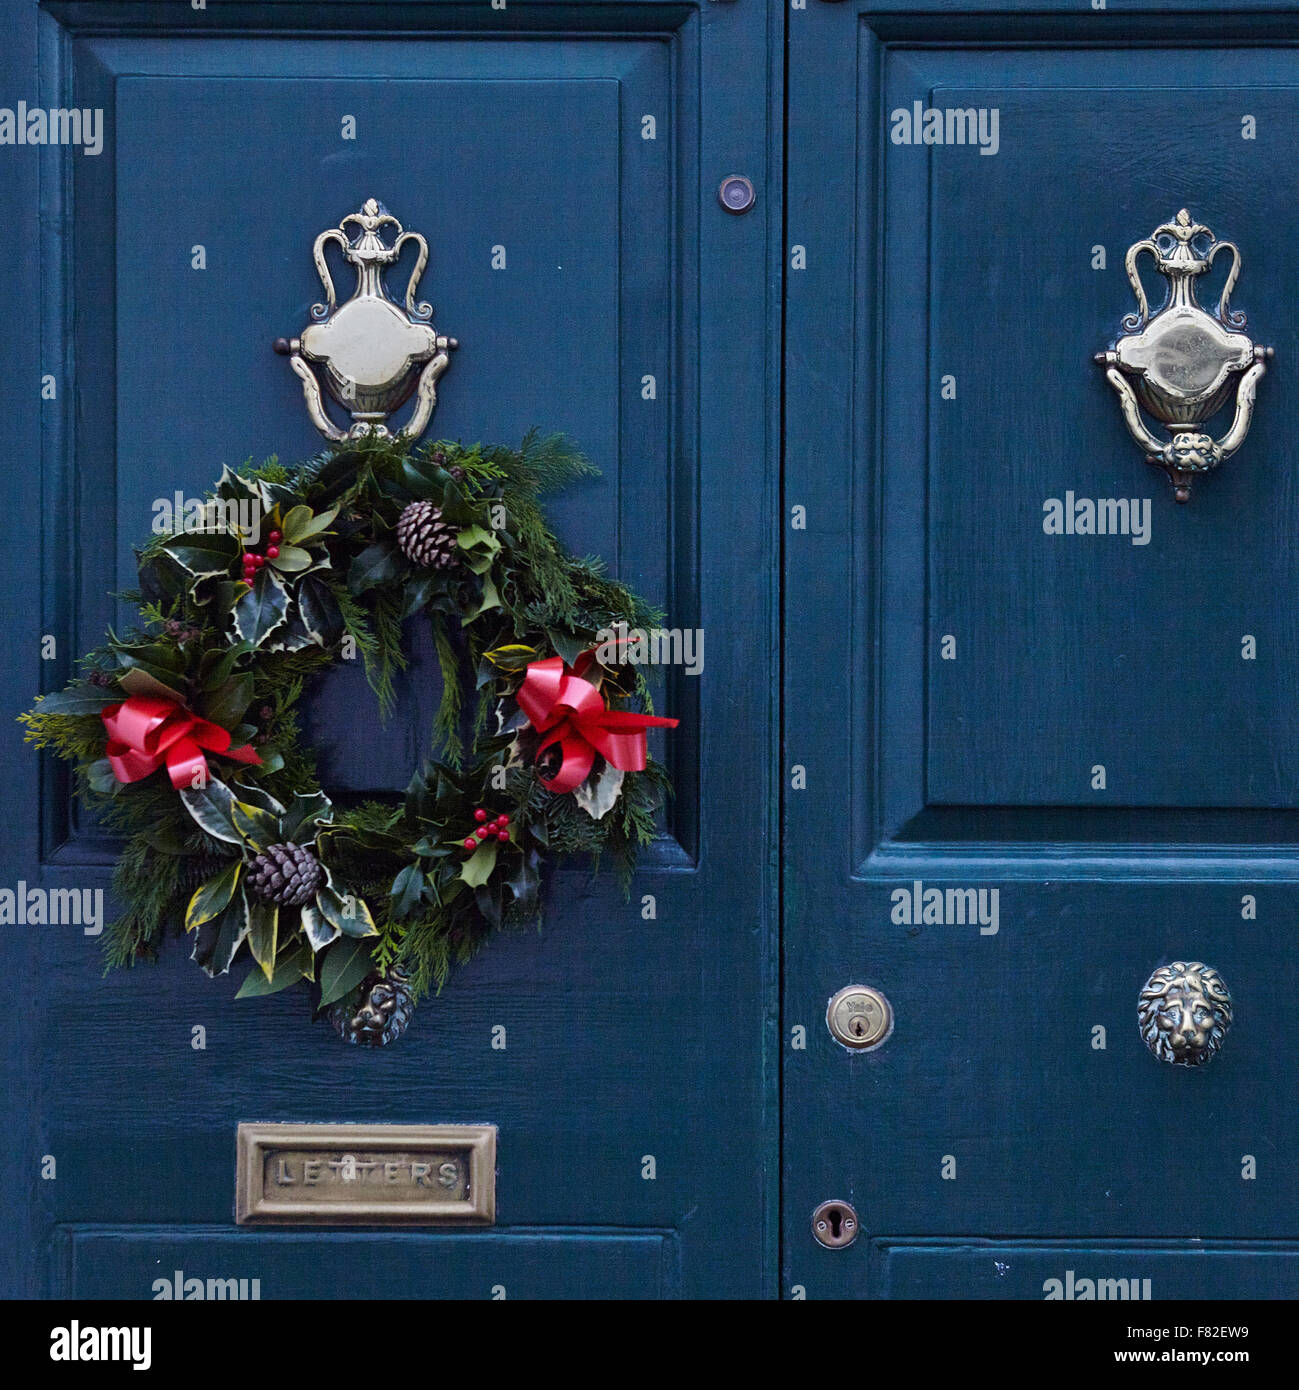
x=471, y=843
x=260, y=560
x=480, y=815
x=503, y=836
x=272, y=551
x=275, y=536
x=482, y=832
x=502, y=821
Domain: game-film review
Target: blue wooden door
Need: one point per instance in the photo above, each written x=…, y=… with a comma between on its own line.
x=1026, y=766
x=564, y=162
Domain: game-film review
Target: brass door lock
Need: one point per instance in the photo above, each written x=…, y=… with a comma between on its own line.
x=859, y=1017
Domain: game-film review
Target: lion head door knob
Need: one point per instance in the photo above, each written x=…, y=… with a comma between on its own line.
x=371, y=354
x=1184, y=1012
x=381, y=1012
x=1183, y=363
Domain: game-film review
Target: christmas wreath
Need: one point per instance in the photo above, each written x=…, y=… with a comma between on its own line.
x=183, y=733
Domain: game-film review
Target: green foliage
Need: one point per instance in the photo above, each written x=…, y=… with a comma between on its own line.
x=241, y=655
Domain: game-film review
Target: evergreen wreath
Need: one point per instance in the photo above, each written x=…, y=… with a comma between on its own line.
x=539, y=736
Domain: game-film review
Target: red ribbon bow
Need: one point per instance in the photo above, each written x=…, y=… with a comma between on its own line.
x=570, y=711
x=144, y=732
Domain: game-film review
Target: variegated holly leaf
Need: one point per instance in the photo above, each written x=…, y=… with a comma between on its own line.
x=212, y=807
x=217, y=940
x=211, y=897
x=263, y=933
x=317, y=928
x=262, y=608
x=598, y=795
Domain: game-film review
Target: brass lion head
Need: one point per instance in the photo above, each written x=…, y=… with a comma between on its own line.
x=1184, y=1013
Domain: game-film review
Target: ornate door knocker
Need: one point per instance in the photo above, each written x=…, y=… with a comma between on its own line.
x=372, y=353
x=1183, y=363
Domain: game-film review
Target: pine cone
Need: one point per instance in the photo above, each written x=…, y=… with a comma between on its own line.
x=286, y=874
x=425, y=539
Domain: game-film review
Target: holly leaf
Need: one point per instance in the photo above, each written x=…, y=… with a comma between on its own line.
x=354, y=917
x=525, y=882
x=216, y=941
x=490, y=599
x=292, y=637
x=319, y=611
x=477, y=869
x=212, y=807
x=201, y=553
x=263, y=932
x=101, y=778
x=304, y=811
x=256, y=796
x=159, y=578
x=262, y=609
x=598, y=795
x=259, y=828
x=211, y=897
x=419, y=591
x=345, y=965
x=567, y=645
x=232, y=486
x=319, y=930
x=376, y=564
x=488, y=898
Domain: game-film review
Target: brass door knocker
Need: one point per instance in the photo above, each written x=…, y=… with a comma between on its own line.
x=1183, y=363
x=371, y=354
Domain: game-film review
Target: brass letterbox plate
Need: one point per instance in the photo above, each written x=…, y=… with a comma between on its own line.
x=365, y=1175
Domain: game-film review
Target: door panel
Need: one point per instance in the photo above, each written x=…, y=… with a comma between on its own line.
x=100, y=1263
x=627, y=1036
x=956, y=675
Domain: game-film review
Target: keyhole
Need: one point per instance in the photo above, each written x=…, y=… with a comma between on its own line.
x=834, y=1224
x=858, y=1026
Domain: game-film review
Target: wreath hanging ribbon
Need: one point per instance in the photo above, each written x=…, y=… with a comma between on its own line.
x=569, y=711
x=146, y=732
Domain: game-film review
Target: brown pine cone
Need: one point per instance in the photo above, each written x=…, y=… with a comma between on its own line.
x=425, y=539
